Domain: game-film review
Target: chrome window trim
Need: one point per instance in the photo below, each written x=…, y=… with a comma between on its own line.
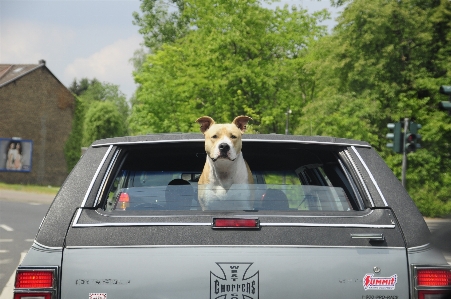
x=77, y=216
x=244, y=140
x=269, y=224
x=370, y=175
x=232, y=246
x=105, y=178
x=245, y=215
x=359, y=175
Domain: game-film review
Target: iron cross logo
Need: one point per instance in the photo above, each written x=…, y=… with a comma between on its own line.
x=234, y=282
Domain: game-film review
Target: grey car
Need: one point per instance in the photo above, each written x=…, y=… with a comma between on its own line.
x=328, y=220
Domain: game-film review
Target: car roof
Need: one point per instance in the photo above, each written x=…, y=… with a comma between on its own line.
x=196, y=137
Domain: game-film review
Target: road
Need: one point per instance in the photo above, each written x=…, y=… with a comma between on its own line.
x=21, y=214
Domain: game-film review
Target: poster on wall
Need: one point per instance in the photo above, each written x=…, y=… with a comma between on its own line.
x=15, y=154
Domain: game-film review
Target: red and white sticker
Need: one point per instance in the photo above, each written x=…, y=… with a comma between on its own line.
x=97, y=295
x=379, y=283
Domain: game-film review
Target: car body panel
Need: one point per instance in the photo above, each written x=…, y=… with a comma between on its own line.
x=199, y=272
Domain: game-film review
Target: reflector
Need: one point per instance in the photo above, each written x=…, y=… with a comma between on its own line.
x=34, y=279
x=433, y=277
x=235, y=223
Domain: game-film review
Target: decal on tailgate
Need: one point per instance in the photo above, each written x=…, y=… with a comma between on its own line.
x=234, y=281
x=379, y=283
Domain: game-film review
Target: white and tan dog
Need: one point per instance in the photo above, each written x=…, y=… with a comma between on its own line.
x=225, y=166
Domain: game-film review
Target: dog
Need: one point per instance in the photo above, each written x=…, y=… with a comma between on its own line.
x=224, y=167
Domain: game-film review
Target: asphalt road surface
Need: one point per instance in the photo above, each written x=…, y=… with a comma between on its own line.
x=21, y=214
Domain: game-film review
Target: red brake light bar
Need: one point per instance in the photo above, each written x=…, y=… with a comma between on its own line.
x=34, y=279
x=432, y=282
x=433, y=277
x=235, y=223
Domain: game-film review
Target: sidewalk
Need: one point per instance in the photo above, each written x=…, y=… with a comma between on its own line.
x=20, y=196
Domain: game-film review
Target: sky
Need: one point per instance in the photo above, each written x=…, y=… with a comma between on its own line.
x=82, y=38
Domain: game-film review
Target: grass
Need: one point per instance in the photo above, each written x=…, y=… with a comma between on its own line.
x=29, y=188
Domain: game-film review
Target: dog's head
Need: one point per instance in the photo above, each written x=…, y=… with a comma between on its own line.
x=223, y=141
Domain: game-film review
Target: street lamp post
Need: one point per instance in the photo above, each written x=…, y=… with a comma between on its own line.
x=288, y=119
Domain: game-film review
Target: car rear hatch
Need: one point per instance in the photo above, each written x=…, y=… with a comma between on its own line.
x=317, y=229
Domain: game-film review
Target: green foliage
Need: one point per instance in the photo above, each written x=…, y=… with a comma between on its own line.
x=385, y=61
x=72, y=148
x=102, y=120
x=88, y=94
x=240, y=59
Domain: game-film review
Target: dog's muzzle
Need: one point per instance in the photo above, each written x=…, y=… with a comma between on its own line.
x=224, y=149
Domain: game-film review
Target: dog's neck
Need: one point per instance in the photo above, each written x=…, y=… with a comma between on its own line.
x=225, y=172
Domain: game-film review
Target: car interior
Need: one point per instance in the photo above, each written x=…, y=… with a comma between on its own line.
x=287, y=177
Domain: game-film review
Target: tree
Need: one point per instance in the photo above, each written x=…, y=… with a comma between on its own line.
x=161, y=22
x=102, y=120
x=239, y=58
x=386, y=60
x=78, y=88
x=88, y=94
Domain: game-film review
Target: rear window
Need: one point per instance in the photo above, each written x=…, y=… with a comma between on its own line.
x=288, y=178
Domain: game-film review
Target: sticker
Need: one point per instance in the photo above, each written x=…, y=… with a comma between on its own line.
x=97, y=295
x=234, y=281
x=379, y=283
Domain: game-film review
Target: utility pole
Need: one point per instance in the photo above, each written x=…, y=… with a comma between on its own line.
x=404, y=153
x=288, y=118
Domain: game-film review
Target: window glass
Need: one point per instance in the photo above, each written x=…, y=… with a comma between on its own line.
x=299, y=180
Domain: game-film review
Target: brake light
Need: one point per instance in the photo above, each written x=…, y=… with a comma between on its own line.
x=432, y=282
x=235, y=223
x=433, y=277
x=34, y=279
x=36, y=283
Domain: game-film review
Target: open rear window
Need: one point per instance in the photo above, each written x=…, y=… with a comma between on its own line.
x=163, y=178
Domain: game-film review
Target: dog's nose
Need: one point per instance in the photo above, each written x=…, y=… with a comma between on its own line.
x=224, y=147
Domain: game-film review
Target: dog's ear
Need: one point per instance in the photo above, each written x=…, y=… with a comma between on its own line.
x=205, y=122
x=241, y=122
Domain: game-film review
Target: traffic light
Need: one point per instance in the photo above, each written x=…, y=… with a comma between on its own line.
x=396, y=137
x=412, y=138
x=445, y=105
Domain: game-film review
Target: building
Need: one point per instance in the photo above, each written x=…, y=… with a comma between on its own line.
x=36, y=117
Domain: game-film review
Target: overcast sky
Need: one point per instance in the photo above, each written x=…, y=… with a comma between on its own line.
x=81, y=38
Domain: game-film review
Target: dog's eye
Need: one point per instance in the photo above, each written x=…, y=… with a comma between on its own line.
x=214, y=136
x=233, y=136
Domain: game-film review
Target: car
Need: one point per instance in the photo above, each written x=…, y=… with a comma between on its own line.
x=328, y=219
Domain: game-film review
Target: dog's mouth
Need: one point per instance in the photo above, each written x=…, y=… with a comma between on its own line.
x=222, y=156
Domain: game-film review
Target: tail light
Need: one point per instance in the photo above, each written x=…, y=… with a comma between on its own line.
x=235, y=223
x=36, y=283
x=432, y=282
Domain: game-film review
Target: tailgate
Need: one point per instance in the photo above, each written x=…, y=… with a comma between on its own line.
x=307, y=259
x=235, y=272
